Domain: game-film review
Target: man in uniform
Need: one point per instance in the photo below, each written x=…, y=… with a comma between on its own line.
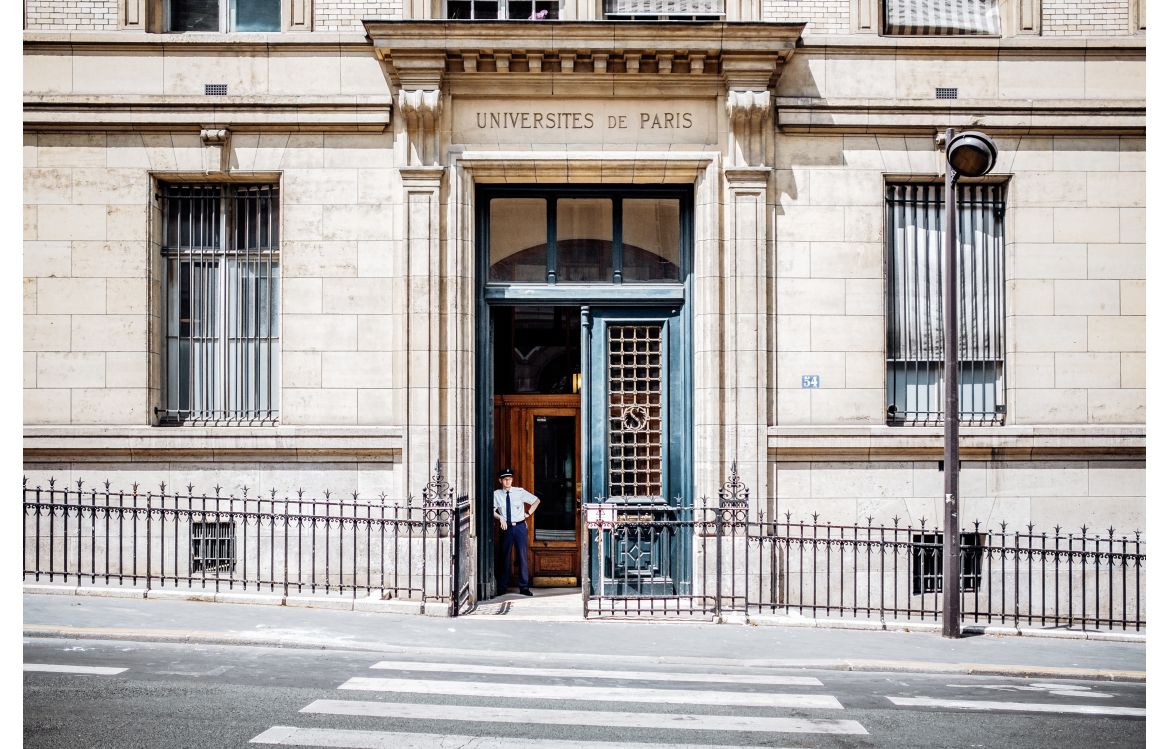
x=508, y=506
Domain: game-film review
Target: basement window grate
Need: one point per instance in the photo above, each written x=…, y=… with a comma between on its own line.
x=946, y=93
x=215, y=89
x=213, y=547
x=927, y=562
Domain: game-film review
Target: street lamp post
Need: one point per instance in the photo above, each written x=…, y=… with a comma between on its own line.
x=970, y=154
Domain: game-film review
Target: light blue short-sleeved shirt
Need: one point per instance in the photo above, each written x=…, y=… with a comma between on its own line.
x=518, y=497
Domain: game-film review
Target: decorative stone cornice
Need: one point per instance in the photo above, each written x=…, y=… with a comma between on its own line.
x=742, y=55
x=420, y=109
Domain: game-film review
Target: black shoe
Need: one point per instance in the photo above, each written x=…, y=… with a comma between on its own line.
x=525, y=592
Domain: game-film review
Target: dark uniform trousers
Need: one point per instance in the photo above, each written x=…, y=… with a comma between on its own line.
x=516, y=537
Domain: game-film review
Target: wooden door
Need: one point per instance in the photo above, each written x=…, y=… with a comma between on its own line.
x=539, y=436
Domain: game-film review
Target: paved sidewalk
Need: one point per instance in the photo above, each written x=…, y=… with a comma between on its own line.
x=84, y=617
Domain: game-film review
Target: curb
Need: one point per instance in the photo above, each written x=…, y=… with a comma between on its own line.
x=373, y=604
x=308, y=643
x=930, y=627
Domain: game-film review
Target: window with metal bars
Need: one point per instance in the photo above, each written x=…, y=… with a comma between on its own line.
x=213, y=546
x=221, y=281
x=914, y=304
x=927, y=562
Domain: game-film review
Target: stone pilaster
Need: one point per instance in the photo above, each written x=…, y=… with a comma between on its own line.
x=745, y=313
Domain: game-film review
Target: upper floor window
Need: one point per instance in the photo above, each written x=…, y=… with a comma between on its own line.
x=516, y=10
x=671, y=10
x=914, y=304
x=941, y=17
x=221, y=281
x=222, y=15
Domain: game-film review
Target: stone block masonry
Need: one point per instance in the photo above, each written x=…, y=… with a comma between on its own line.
x=71, y=15
x=347, y=15
x=823, y=16
x=1085, y=18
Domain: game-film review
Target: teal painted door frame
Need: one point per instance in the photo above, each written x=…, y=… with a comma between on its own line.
x=666, y=301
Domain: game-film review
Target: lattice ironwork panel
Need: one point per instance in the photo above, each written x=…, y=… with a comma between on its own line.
x=635, y=410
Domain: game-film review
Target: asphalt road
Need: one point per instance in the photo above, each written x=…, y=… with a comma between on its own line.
x=190, y=695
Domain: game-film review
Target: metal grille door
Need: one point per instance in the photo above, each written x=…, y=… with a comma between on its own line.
x=635, y=411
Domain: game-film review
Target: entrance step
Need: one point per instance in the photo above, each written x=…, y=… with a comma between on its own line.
x=546, y=604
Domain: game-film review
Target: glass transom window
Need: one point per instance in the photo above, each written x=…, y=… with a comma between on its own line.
x=585, y=239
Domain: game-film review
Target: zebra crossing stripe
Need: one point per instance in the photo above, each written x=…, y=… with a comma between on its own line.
x=339, y=738
x=60, y=669
x=583, y=673
x=1033, y=707
x=593, y=694
x=523, y=716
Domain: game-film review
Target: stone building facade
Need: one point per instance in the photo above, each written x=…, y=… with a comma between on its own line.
x=782, y=131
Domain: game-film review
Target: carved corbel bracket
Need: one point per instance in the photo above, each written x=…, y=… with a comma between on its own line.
x=748, y=126
x=420, y=110
x=217, y=146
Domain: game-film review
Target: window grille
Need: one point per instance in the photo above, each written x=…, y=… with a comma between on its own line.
x=222, y=15
x=635, y=411
x=914, y=304
x=942, y=17
x=221, y=276
x=213, y=546
x=927, y=564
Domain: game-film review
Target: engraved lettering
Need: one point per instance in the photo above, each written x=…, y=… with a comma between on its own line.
x=687, y=120
x=481, y=120
x=589, y=119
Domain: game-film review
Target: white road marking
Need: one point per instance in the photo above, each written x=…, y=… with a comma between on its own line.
x=522, y=716
x=599, y=674
x=594, y=694
x=353, y=739
x=1070, y=690
x=1016, y=706
x=59, y=669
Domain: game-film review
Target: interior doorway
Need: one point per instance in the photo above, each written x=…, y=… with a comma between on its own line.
x=537, y=431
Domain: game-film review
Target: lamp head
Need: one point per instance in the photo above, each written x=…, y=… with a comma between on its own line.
x=972, y=154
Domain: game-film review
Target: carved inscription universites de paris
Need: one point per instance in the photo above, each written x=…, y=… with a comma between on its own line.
x=583, y=121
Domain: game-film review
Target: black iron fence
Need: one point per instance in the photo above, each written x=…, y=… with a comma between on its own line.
x=416, y=549
x=721, y=558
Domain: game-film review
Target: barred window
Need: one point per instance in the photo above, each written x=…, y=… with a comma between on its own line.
x=213, y=546
x=914, y=304
x=941, y=17
x=927, y=551
x=222, y=15
x=221, y=276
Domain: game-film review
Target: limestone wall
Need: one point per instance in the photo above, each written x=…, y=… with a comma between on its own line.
x=1086, y=17
x=1075, y=276
x=347, y=15
x=822, y=16
x=71, y=15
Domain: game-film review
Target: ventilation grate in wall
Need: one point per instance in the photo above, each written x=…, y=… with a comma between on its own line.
x=215, y=89
x=946, y=93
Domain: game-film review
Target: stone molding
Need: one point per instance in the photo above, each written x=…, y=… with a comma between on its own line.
x=217, y=144
x=420, y=110
x=1057, y=442
x=1022, y=117
x=267, y=444
x=747, y=116
x=295, y=113
x=743, y=54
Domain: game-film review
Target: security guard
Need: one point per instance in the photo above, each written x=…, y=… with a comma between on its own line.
x=508, y=506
